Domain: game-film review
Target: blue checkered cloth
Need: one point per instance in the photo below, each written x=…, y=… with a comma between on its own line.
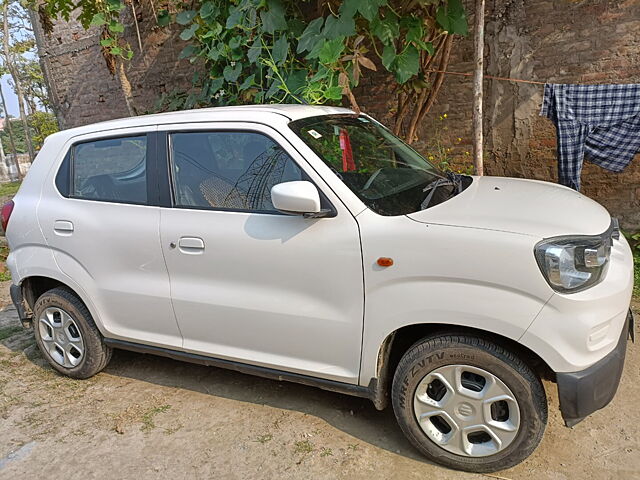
x=599, y=123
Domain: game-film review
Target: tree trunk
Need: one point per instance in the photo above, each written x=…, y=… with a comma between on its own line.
x=10, y=131
x=125, y=85
x=16, y=79
x=478, y=80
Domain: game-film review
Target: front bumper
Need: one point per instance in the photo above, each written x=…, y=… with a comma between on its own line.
x=582, y=393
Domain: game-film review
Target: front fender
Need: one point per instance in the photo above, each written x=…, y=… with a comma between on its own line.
x=441, y=274
x=425, y=301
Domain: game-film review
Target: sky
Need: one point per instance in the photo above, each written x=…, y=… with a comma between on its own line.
x=10, y=97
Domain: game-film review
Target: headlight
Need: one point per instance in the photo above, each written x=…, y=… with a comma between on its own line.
x=572, y=264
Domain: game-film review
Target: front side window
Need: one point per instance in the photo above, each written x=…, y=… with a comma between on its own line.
x=385, y=173
x=112, y=170
x=228, y=170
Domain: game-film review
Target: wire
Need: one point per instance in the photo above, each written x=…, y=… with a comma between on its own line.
x=491, y=77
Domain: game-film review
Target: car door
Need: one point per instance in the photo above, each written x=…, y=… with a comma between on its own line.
x=249, y=283
x=101, y=218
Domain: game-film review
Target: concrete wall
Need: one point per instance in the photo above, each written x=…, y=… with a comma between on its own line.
x=8, y=168
x=562, y=41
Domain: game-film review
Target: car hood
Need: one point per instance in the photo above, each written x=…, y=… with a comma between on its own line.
x=528, y=207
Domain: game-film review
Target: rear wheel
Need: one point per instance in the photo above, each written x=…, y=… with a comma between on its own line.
x=469, y=404
x=67, y=335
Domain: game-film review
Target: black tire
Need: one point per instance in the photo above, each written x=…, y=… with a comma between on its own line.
x=435, y=352
x=96, y=354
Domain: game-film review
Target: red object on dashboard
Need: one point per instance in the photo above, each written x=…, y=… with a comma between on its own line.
x=348, y=165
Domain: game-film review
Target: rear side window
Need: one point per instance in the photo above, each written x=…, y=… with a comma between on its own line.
x=111, y=170
x=228, y=170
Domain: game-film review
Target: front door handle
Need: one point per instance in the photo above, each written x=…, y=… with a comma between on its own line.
x=192, y=245
x=63, y=227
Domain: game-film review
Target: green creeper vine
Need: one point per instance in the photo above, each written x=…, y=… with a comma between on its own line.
x=270, y=51
x=257, y=51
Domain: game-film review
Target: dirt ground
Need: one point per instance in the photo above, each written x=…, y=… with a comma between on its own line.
x=150, y=417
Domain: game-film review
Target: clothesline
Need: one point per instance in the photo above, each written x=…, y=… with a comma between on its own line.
x=532, y=82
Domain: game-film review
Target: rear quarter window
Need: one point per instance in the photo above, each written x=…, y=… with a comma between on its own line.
x=110, y=170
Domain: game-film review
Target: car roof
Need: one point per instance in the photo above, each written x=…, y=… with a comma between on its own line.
x=290, y=112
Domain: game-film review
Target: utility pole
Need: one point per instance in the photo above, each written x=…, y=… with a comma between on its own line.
x=478, y=80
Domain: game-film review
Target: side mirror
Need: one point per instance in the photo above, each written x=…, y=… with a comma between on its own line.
x=301, y=198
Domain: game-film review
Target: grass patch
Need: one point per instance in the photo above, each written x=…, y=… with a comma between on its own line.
x=6, y=332
x=9, y=189
x=326, y=452
x=267, y=437
x=5, y=274
x=147, y=417
x=303, y=447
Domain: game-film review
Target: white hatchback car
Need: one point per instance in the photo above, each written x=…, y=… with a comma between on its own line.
x=310, y=244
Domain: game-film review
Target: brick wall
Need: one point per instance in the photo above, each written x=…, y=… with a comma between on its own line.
x=82, y=88
x=561, y=41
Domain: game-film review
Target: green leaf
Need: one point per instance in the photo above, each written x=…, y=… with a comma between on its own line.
x=315, y=51
x=452, y=18
x=115, y=51
x=280, y=50
x=349, y=8
x=116, y=27
x=114, y=5
x=311, y=35
x=387, y=29
x=273, y=89
x=186, y=16
x=163, y=18
x=213, y=54
x=98, y=20
x=333, y=93
x=342, y=26
x=231, y=73
x=407, y=64
x=274, y=19
x=254, y=50
x=415, y=32
x=296, y=80
x=248, y=82
x=235, y=42
x=129, y=54
x=331, y=50
x=321, y=74
x=369, y=8
x=107, y=42
x=187, y=33
x=216, y=84
x=388, y=56
x=188, y=51
x=428, y=46
x=235, y=18
x=208, y=9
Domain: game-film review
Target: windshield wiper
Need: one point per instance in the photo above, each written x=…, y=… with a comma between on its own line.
x=452, y=179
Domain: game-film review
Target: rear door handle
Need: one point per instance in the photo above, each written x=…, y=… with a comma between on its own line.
x=192, y=245
x=63, y=227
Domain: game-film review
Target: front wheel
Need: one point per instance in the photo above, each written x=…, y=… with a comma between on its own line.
x=469, y=404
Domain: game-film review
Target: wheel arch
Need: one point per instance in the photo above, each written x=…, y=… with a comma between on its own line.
x=398, y=342
x=34, y=286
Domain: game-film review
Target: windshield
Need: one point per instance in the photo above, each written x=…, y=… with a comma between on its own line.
x=384, y=172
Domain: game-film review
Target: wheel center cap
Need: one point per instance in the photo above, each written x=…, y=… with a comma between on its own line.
x=465, y=409
x=60, y=337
